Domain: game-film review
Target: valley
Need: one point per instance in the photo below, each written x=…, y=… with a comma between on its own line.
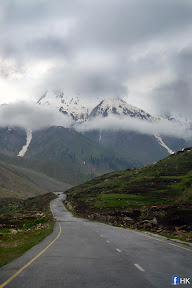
x=108, y=175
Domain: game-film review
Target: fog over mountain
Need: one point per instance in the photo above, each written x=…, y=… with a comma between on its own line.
x=33, y=116
x=137, y=50
x=115, y=123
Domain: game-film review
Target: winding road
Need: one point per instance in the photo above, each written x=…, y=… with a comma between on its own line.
x=80, y=253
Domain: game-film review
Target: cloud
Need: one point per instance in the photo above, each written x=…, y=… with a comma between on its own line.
x=136, y=49
x=115, y=123
x=175, y=95
x=35, y=117
x=31, y=116
x=87, y=81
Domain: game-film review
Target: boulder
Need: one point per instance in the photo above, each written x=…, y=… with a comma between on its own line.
x=13, y=231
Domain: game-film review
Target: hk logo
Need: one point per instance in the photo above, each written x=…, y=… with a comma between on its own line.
x=176, y=280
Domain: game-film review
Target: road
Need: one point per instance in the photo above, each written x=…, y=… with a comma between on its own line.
x=80, y=253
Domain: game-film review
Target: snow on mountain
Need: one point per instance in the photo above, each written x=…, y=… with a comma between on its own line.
x=178, y=119
x=28, y=141
x=162, y=143
x=71, y=106
x=117, y=106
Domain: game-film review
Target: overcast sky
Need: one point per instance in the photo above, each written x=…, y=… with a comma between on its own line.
x=140, y=50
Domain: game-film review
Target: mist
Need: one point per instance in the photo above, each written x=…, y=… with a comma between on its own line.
x=115, y=123
x=31, y=116
x=35, y=117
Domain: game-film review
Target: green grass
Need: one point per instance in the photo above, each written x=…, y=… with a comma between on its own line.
x=165, y=182
x=13, y=246
x=32, y=220
x=30, y=224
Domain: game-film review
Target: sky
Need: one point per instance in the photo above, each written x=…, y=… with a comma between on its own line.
x=139, y=50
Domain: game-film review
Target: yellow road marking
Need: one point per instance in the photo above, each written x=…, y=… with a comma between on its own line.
x=162, y=241
x=29, y=263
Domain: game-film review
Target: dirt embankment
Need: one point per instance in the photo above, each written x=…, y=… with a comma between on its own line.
x=165, y=219
x=18, y=212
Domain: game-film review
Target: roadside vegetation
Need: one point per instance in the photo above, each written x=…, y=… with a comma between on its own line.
x=157, y=197
x=23, y=224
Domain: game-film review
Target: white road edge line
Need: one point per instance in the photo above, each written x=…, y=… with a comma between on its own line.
x=139, y=267
x=118, y=250
x=108, y=241
x=101, y=235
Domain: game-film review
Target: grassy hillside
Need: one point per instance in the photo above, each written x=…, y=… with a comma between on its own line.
x=161, y=193
x=46, y=182
x=14, y=184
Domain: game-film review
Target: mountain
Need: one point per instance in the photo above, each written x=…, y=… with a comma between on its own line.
x=67, y=105
x=82, y=157
x=53, y=169
x=12, y=139
x=63, y=154
x=74, y=157
x=117, y=106
x=14, y=184
x=157, y=197
x=145, y=148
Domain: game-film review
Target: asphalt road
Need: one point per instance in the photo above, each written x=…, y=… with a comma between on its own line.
x=89, y=255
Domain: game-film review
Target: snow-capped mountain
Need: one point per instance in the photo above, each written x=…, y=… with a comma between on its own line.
x=73, y=107
x=67, y=105
x=117, y=106
x=80, y=112
x=131, y=147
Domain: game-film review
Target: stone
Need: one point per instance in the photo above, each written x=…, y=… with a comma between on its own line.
x=13, y=231
x=154, y=221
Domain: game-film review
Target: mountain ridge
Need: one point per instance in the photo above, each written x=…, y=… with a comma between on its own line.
x=105, y=149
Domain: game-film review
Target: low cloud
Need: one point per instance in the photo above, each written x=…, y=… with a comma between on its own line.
x=35, y=117
x=31, y=116
x=115, y=123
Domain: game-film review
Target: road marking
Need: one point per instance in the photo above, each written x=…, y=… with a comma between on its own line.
x=29, y=263
x=163, y=241
x=139, y=267
x=118, y=250
x=108, y=241
x=101, y=235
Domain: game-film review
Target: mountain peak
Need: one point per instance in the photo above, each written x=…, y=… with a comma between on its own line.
x=117, y=106
x=71, y=106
